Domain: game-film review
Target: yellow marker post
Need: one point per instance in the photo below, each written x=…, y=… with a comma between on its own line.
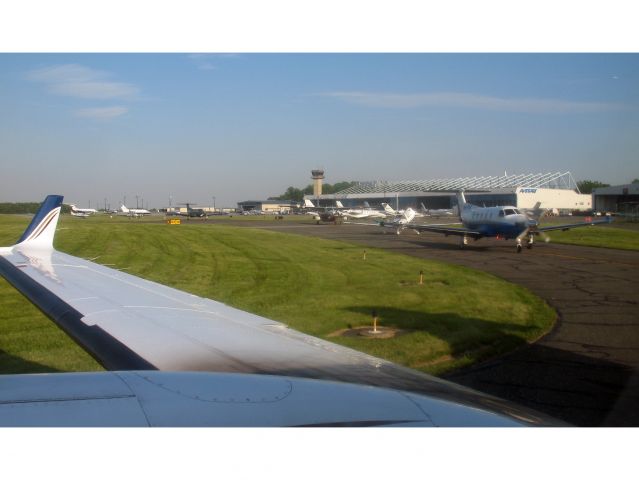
x=173, y=221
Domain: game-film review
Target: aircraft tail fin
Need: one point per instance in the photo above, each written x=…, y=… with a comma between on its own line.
x=388, y=209
x=338, y=204
x=41, y=230
x=124, y=209
x=461, y=203
x=424, y=209
x=366, y=204
x=409, y=215
x=308, y=203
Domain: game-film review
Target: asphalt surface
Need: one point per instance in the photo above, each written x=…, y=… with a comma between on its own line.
x=586, y=370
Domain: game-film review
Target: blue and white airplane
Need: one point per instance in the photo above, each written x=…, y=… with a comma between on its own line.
x=176, y=359
x=501, y=222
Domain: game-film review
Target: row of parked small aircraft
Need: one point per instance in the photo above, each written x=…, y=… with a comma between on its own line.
x=502, y=222
x=123, y=210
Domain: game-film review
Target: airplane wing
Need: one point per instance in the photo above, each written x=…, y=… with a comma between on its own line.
x=128, y=323
x=459, y=231
x=568, y=226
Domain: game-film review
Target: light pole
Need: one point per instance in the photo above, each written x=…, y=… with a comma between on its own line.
x=213, y=204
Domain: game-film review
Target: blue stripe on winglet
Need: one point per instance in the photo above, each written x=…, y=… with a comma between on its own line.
x=50, y=203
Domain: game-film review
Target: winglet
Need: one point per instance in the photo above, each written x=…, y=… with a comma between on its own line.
x=41, y=230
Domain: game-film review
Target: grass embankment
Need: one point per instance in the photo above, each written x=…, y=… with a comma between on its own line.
x=457, y=317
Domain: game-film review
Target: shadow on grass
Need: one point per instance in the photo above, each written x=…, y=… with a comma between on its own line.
x=10, y=364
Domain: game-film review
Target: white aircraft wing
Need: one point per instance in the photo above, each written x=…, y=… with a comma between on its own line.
x=128, y=323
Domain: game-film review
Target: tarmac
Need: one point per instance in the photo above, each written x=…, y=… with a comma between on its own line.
x=586, y=370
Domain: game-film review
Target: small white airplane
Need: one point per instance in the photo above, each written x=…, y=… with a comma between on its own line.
x=401, y=221
x=438, y=212
x=133, y=212
x=360, y=213
x=81, y=212
x=392, y=212
x=505, y=222
x=176, y=359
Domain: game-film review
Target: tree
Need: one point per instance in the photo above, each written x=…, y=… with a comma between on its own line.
x=296, y=194
x=636, y=180
x=587, y=186
x=292, y=193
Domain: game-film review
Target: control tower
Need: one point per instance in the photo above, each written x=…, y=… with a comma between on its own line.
x=317, y=176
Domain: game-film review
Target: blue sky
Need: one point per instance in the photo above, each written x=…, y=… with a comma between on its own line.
x=247, y=126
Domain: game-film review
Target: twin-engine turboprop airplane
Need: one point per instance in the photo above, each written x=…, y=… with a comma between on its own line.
x=134, y=212
x=182, y=360
x=500, y=222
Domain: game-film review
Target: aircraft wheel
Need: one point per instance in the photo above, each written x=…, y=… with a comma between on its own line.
x=529, y=246
x=518, y=248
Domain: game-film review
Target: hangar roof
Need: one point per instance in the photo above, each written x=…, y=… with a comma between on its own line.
x=528, y=180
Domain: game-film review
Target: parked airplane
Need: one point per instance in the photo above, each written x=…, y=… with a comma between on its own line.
x=401, y=222
x=192, y=212
x=438, y=212
x=392, y=212
x=501, y=222
x=360, y=213
x=81, y=212
x=134, y=212
x=180, y=360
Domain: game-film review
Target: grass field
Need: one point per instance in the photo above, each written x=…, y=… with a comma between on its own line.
x=457, y=317
x=599, y=236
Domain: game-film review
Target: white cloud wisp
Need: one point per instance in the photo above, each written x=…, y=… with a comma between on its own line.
x=77, y=81
x=474, y=101
x=101, y=113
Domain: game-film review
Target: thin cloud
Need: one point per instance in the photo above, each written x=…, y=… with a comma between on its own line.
x=101, y=113
x=473, y=101
x=81, y=82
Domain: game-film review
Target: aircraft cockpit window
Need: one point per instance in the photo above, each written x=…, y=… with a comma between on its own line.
x=517, y=211
x=509, y=211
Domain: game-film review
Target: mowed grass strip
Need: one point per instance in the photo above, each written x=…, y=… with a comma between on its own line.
x=596, y=236
x=457, y=317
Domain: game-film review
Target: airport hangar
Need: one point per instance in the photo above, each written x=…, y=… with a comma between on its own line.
x=556, y=190
x=620, y=199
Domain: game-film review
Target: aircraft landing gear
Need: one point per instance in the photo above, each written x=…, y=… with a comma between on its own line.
x=529, y=245
x=463, y=241
x=518, y=245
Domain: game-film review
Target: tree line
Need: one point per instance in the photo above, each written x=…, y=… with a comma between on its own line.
x=587, y=186
x=297, y=194
x=25, y=207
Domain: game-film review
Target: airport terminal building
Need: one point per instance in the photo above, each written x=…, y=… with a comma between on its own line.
x=556, y=190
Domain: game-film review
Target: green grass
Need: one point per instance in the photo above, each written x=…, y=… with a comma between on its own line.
x=457, y=317
x=596, y=236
